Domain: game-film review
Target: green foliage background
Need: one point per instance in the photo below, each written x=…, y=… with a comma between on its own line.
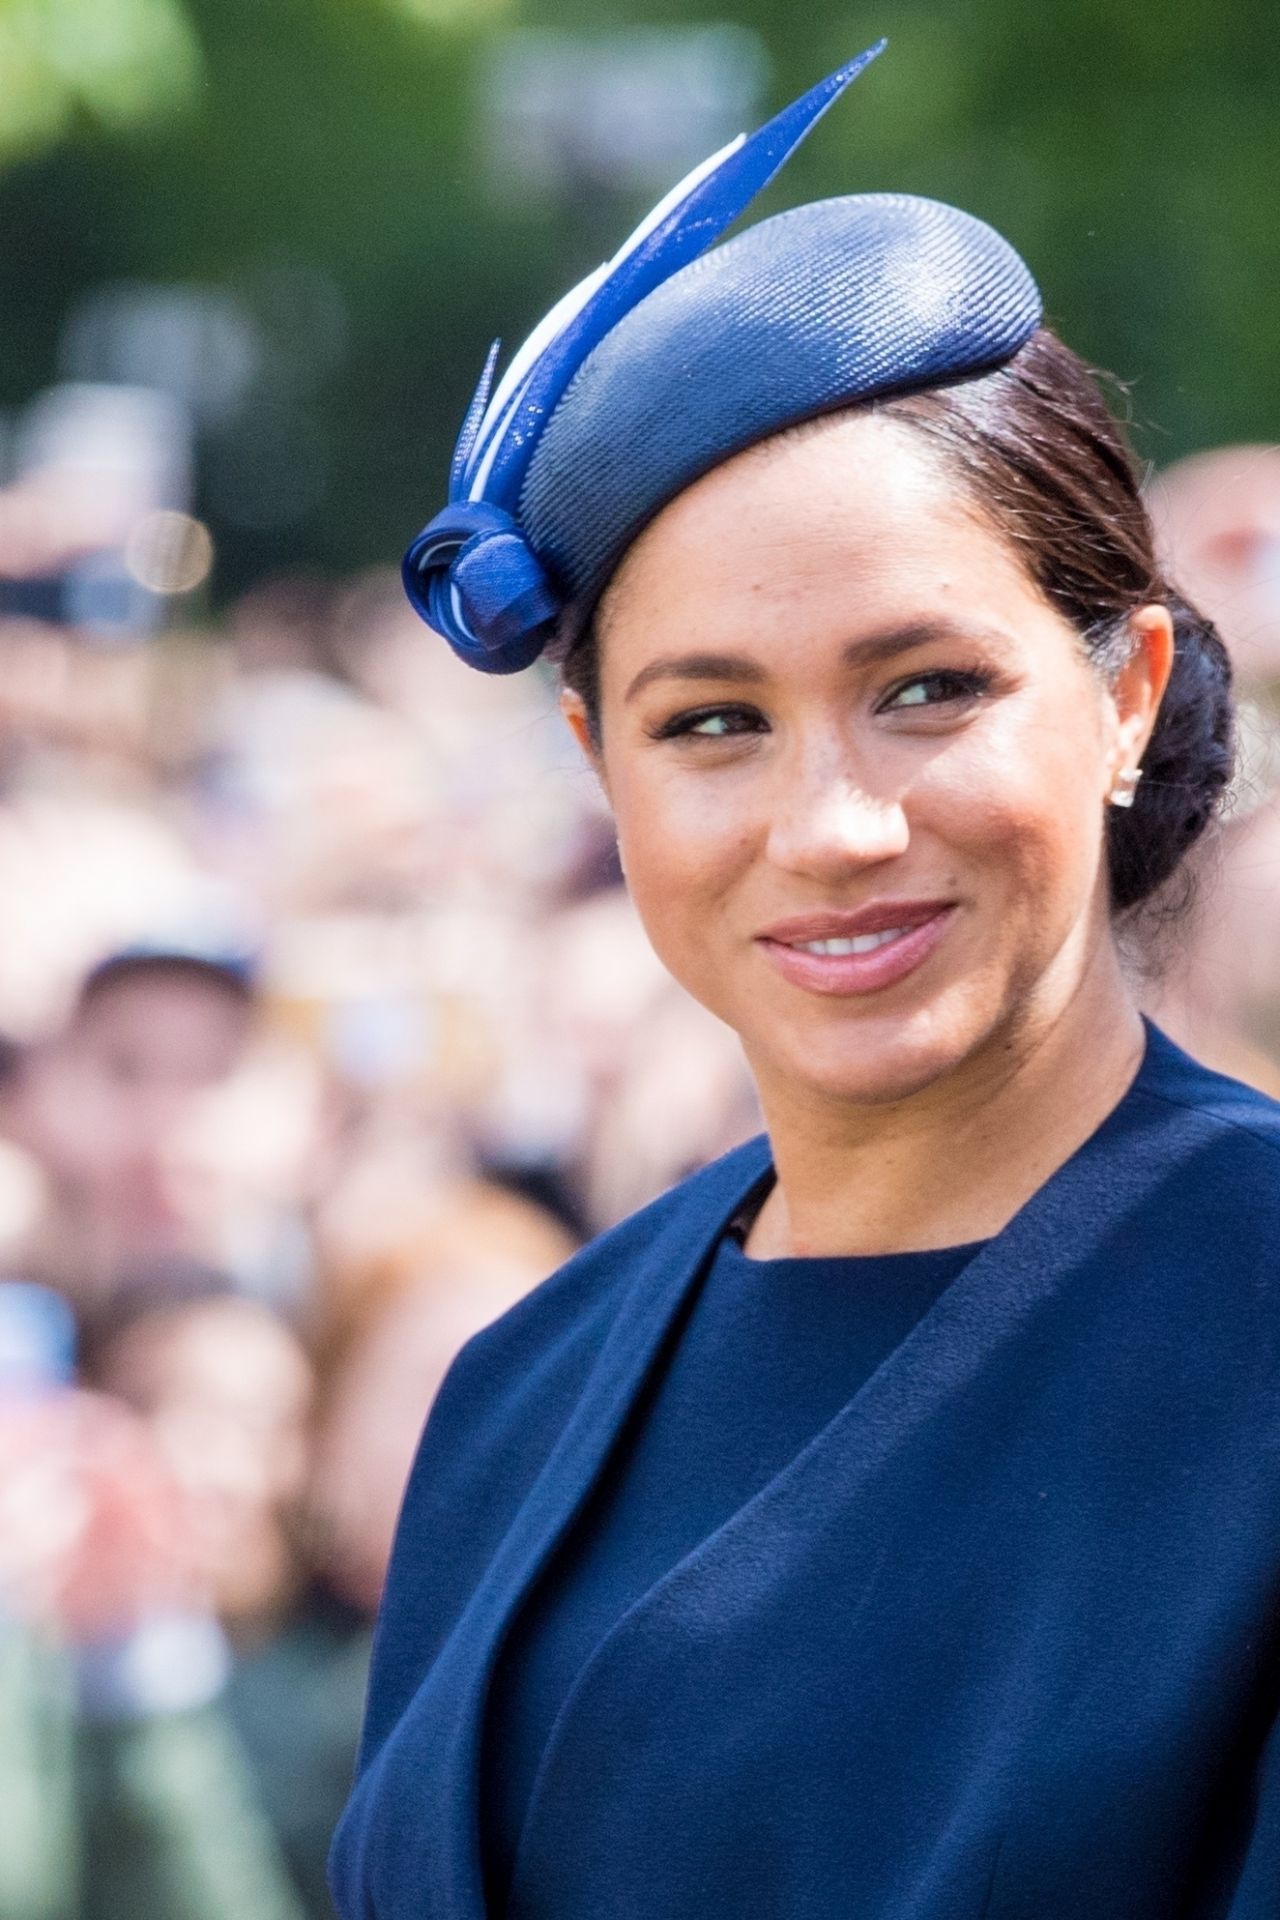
x=1131, y=152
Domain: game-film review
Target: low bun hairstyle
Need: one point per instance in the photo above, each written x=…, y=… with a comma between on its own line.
x=1040, y=451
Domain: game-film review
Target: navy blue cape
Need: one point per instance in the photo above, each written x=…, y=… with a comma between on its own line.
x=1001, y=1643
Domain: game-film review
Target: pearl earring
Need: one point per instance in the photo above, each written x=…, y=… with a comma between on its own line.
x=1122, y=794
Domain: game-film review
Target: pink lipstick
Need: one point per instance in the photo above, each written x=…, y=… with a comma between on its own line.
x=857, y=952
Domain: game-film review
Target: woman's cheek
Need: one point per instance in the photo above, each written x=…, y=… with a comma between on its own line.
x=685, y=856
x=1023, y=829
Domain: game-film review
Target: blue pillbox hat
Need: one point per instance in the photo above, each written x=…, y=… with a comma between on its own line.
x=672, y=358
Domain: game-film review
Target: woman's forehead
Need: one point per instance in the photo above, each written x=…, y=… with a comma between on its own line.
x=856, y=506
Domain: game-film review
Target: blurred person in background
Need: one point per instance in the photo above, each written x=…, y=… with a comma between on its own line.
x=459, y=1256
x=140, y=1800
x=682, y=1097
x=41, y=1513
x=310, y=799
x=593, y=1029
x=225, y=1387
x=144, y=1114
x=226, y=1390
x=1218, y=519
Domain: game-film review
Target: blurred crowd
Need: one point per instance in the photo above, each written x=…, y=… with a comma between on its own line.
x=326, y=1032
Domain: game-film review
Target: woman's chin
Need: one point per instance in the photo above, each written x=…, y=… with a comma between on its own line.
x=875, y=1061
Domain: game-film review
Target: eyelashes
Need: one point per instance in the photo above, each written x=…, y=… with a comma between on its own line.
x=949, y=684
x=940, y=687
x=684, y=723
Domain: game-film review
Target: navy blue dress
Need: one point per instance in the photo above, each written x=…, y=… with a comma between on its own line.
x=765, y=1354
x=1000, y=1641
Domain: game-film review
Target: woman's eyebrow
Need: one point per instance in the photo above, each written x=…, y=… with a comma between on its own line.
x=870, y=649
x=696, y=666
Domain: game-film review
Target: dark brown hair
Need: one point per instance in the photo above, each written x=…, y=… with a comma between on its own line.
x=1050, y=466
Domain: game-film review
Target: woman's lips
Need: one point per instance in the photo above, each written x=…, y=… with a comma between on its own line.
x=842, y=973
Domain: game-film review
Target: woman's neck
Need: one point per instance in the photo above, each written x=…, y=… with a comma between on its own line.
x=955, y=1162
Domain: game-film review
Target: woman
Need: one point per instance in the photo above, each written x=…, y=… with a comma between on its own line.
x=885, y=1521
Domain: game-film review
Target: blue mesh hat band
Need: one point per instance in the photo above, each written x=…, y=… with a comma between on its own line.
x=672, y=358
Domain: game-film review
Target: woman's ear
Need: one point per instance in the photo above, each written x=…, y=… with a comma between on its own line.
x=1138, y=688
x=574, y=709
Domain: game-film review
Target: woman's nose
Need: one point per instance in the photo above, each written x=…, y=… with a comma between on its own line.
x=828, y=825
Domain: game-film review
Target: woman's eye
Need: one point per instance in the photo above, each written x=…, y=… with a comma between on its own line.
x=935, y=689
x=709, y=723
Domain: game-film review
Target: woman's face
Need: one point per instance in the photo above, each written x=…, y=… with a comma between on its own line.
x=834, y=707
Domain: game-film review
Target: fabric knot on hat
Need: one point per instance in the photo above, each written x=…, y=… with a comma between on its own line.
x=473, y=576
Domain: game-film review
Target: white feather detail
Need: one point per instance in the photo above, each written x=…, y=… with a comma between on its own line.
x=507, y=396
x=460, y=618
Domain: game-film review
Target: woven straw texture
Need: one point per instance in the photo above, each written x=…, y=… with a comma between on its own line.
x=833, y=302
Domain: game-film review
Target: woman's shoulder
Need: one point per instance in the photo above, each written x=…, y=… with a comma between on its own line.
x=1201, y=1168
x=1238, y=1118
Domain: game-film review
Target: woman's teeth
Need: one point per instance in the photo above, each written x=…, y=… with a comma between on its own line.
x=860, y=943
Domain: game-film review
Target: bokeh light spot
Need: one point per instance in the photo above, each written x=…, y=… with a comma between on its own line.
x=169, y=552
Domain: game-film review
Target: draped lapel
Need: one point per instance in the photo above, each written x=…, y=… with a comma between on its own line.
x=1060, y=1232
x=435, y=1873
